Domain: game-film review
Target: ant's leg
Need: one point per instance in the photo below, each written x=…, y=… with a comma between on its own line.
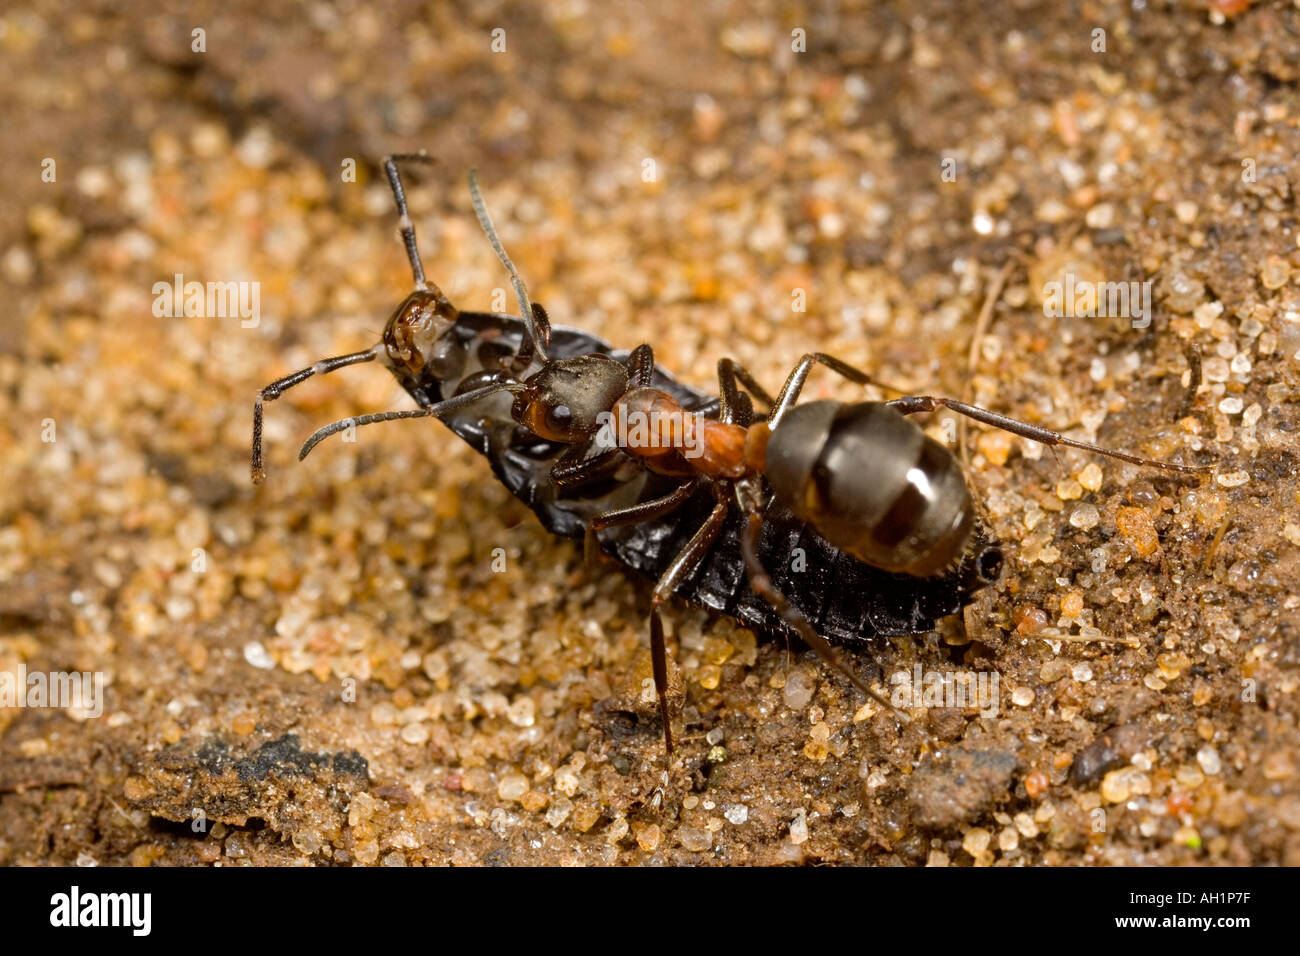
x=1193, y=382
x=711, y=408
x=734, y=406
x=729, y=370
x=762, y=584
x=576, y=468
x=524, y=357
x=641, y=366
x=279, y=386
x=687, y=560
x=794, y=384
x=404, y=219
x=912, y=404
x=741, y=412
x=634, y=514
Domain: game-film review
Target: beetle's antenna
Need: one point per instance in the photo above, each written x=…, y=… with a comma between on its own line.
x=435, y=410
x=525, y=304
x=404, y=219
x=280, y=385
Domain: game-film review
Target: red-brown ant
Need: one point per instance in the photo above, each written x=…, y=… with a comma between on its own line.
x=864, y=476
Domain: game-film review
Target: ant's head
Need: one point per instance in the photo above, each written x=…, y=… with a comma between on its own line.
x=564, y=400
x=416, y=341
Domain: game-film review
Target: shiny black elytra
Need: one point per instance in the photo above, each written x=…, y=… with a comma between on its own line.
x=877, y=513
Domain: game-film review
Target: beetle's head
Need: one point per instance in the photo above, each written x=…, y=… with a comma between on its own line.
x=418, y=340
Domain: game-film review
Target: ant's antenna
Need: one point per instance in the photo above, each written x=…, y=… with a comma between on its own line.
x=525, y=304
x=404, y=219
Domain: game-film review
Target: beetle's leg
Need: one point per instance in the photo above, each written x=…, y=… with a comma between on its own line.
x=476, y=381
x=912, y=404
x=635, y=514
x=687, y=560
x=279, y=386
x=794, y=384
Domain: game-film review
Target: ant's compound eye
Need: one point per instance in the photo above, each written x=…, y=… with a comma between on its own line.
x=550, y=421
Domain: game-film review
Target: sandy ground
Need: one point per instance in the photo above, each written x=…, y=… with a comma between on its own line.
x=328, y=669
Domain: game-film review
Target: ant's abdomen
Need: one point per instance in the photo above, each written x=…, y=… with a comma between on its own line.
x=872, y=484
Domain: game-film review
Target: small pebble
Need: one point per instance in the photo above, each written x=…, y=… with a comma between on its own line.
x=415, y=734
x=559, y=811
x=256, y=655
x=648, y=837
x=1029, y=619
x=1118, y=785
x=1085, y=516
x=799, y=827
x=1068, y=489
x=976, y=841
x=618, y=829
x=695, y=839
x=512, y=786
x=1037, y=784
x=1136, y=525
x=307, y=842
x=1278, y=765
x=799, y=688
x=1053, y=670
x=1091, y=477
x=1208, y=758
x=522, y=713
